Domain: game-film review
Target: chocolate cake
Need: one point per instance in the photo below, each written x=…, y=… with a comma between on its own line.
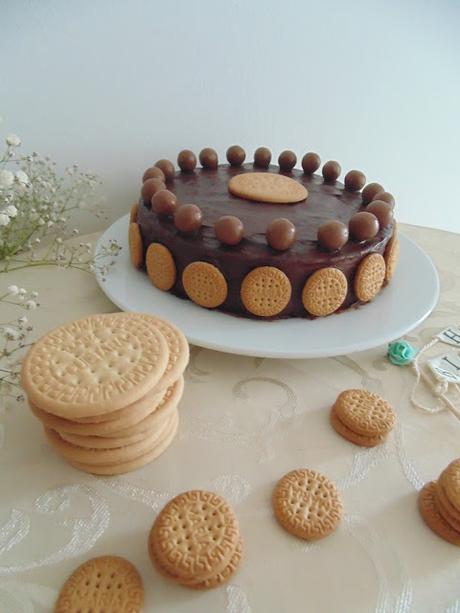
x=260, y=254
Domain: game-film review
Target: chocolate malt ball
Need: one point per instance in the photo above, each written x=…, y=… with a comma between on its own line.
x=236, y=155
x=287, y=160
x=382, y=210
x=164, y=203
x=262, y=157
x=386, y=197
x=371, y=190
x=355, y=180
x=151, y=187
x=188, y=218
x=153, y=173
x=229, y=230
x=363, y=226
x=167, y=167
x=186, y=160
x=333, y=235
x=311, y=162
x=209, y=158
x=281, y=234
x=331, y=170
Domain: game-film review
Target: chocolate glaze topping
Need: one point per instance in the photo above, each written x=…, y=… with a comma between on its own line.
x=208, y=189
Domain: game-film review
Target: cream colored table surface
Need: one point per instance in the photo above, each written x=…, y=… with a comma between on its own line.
x=244, y=423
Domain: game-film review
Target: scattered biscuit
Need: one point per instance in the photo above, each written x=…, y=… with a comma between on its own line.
x=361, y=417
x=195, y=539
x=307, y=504
x=106, y=583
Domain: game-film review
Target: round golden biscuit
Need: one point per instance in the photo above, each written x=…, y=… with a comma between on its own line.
x=133, y=213
x=364, y=412
x=195, y=535
x=351, y=436
x=160, y=266
x=369, y=277
x=265, y=291
x=450, y=481
x=136, y=248
x=391, y=257
x=307, y=504
x=267, y=187
x=95, y=365
x=204, y=284
x=431, y=516
x=106, y=583
x=324, y=291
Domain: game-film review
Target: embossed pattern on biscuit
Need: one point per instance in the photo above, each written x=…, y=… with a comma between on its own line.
x=204, y=284
x=369, y=277
x=307, y=504
x=195, y=535
x=214, y=581
x=106, y=583
x=265, y=291
x=160, y=266
x=95, y=365
x=364, y=412
x=324, y=291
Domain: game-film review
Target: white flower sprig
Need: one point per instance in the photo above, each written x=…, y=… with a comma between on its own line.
x=14, y=338
x=36, y=207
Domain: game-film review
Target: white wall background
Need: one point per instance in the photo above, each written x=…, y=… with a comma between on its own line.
x=115, y=85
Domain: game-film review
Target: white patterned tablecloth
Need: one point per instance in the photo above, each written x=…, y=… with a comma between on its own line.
x=244, y=423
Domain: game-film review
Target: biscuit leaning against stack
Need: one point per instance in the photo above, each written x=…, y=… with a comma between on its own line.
x=439, y=504
x=106, y=389
x=195, y=540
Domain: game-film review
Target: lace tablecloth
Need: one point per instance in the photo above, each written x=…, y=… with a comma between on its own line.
x=244, y=423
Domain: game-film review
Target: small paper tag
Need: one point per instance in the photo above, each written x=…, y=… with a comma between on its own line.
x=450, y=335
x=446, y=367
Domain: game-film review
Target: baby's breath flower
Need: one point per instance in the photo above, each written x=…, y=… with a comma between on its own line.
x=30, y=305
x=11, y=210
x=4, y=219
x=13, y=290
x=6, y=179
x=10, y=333
x=22, y=177
x=13, y=140
x=22, y=291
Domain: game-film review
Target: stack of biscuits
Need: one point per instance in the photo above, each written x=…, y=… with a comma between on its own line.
x=195, y=540
x=361, y=417
x=439, y=504
x=106, y=389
